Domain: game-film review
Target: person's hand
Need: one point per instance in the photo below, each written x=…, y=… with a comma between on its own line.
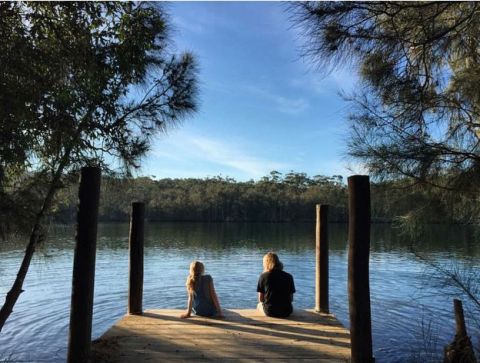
x=185, y=315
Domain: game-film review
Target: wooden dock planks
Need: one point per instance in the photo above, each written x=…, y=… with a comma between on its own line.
x=243, y=336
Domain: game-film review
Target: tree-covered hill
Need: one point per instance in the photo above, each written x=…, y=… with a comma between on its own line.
x=273, y=198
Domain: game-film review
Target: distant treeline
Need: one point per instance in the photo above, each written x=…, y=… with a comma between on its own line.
x=274, y=198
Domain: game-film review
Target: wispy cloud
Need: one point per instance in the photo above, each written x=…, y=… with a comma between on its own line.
x=204, y=18
x=283, y=104
x=225, y=155
x=313, y=82
x=232, y=156
x=291, y=106
x=182, y=24
x=356, y=168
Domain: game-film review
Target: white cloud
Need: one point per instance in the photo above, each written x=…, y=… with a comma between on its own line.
x=227, y=156
x=356, y=168
x=204, y=18
x=283, y=104
x=232, y=156
x=184, y=25
x=290, y=106
x=313, y=81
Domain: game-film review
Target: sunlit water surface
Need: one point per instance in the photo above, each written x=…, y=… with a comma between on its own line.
x=411, y=309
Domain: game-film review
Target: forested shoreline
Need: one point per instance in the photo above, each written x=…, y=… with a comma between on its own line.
x=274, y=198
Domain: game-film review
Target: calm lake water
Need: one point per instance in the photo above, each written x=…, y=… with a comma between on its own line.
x=411, y=306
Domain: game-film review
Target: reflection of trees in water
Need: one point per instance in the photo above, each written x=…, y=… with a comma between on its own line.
x=450, y=241
x=231, y=235
x=240, y=246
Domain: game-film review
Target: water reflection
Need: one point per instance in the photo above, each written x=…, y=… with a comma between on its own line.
x=453, y=240
x=403, y=295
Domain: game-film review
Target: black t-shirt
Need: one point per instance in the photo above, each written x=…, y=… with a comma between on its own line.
x=277, y=287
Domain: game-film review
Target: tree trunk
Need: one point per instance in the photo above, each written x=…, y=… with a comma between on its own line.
x=35, y=237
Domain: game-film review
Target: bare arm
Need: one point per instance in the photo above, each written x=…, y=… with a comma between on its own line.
x=261, y=297
x=214, y=297
x=189, y=308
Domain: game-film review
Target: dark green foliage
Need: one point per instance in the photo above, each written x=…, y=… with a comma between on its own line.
x=418, y=110
x=83, y=83
x=273, y=198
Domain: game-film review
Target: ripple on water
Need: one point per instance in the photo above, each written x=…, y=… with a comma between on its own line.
x=405, y=304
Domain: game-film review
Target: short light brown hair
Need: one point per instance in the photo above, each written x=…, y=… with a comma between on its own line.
x=271, y=262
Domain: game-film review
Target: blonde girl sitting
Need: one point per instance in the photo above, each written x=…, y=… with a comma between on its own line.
x=202, y=298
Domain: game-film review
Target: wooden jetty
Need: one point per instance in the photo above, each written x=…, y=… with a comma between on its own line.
x=243, y=336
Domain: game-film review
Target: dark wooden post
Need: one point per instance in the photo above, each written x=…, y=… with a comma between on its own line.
x=135, y=281
x=358, y=268
x=80, y=333
x=321, y=259
x=461, y=349
x=461, y=329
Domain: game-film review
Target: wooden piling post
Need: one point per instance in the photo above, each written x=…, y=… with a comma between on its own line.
x=321, y=259
x=135, y=281
x=461, y=349
x=80, y=332
x=358, y=268
x=461, y=329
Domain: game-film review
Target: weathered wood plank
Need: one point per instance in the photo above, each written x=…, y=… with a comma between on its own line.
x=243, y=336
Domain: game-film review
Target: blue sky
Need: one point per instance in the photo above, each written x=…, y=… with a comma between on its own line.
x=262, y=107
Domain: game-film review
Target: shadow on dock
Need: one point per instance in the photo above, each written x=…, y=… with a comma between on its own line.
x=243, y=336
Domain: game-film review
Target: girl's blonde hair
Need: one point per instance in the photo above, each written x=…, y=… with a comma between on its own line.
x=196, y=270
x=271, y=261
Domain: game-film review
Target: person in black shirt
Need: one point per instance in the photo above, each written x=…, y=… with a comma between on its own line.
x=275, y=288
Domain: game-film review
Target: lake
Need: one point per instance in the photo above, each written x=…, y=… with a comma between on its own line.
x=412, y=308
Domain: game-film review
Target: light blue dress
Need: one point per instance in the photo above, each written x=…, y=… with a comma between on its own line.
x=202, y=302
